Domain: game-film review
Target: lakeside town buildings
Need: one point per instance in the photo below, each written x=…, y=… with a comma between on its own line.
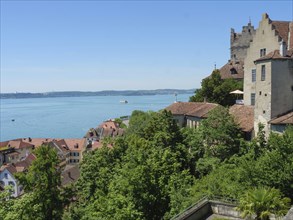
x=262, y=58
x=17, y=155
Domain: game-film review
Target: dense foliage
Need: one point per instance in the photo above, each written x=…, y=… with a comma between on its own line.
x=158, y=169
x=41, y=183
x=216, y=90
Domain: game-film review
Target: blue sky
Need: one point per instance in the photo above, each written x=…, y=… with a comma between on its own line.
x=119, y=45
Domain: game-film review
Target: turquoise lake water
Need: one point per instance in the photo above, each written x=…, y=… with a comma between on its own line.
x=70, y=117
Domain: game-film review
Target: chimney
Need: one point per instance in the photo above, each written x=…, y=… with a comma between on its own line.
x=283, y=48
x=265, y=16
x=290, y=36
x=69, y=175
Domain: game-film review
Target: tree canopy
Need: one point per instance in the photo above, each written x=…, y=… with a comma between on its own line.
x=41, y=183
x=157, y=170
x=216, y=90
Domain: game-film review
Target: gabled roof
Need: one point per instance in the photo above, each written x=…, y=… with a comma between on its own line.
x=18, y=144
x=61, y=144
x=38, y=141
x=19, y=166
x=9, y=167
x=244, y=116
x=235, y=67
x=109, y=124
x=75, y=143
x=282, y=29
x=92, y=133
x=284, y=119
x=196, y=109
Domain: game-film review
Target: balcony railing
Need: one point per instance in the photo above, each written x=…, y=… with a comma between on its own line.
x=239, y=102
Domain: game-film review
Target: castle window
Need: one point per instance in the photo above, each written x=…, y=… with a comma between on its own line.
x=263, y=72
x=263, y=111
x=252, y=98
x=259, y=92
x=233, y=71
x=253, y=75
x=262, y=52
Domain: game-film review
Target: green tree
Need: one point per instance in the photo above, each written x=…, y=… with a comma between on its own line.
x=144, y=176
x=217, y=90
x=262, y=202
x=6, y=202
x=43, y=182
x=221, y=135
x=138, y=120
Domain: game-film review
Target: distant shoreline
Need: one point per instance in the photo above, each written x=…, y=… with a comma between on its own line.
x=97, y=93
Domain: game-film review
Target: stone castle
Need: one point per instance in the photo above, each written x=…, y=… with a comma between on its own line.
x=263, y=59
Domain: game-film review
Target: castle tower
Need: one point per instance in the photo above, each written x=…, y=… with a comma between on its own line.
x=239, y=42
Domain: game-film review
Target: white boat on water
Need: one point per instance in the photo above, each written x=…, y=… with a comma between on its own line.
x=124, y=101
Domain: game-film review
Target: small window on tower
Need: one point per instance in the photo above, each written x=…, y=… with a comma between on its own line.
x=253, y=75
x=262, y=52
x=252, y=98
x=263, y=72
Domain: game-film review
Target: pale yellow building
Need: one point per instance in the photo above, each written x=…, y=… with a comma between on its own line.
x=268, y=71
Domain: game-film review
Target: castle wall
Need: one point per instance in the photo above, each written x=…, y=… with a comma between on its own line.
x=239, y=42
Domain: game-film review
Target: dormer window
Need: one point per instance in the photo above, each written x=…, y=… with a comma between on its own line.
x=233, y=71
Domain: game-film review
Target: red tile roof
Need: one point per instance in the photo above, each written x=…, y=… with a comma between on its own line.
x=4, y=143
x=99, y=144
x=282, y=29
x=197, y=109
x=62, y=145
x=232, y=67
x=109, y=124
x=244, y=116
x=275, y=55
x=18, y=144
x=75, y=143
x=37, y=142
x=284, y=119
x=19, y=166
